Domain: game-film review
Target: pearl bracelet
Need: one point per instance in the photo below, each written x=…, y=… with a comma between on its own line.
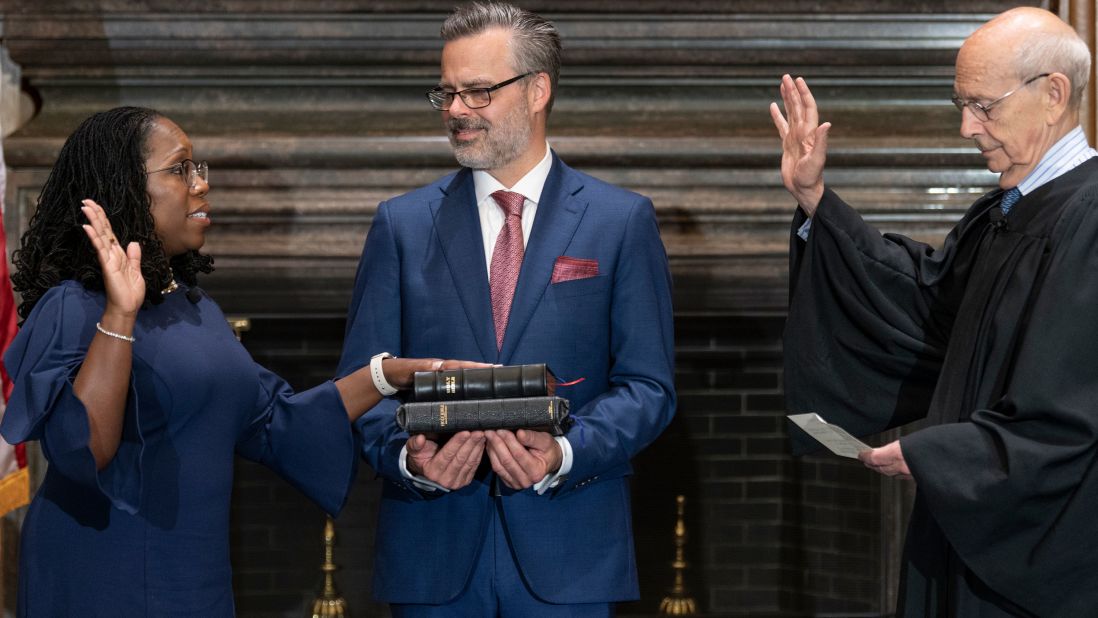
x=99, y=327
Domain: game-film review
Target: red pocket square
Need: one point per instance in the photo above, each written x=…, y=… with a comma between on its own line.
x=569, y=269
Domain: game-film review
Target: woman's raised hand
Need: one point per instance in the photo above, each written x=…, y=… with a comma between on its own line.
x=122, y=278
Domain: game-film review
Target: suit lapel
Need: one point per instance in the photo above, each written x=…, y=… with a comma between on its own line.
x=458, y=227
x=559, y=213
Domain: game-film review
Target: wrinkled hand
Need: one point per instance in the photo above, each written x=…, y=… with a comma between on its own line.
x=451, y=466
x=399, y=372
x=888, y=460
x=125, y=286
x=523, y=458
x=804, y=143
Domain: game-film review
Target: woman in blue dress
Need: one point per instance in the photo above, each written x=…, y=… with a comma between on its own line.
x=140, y=394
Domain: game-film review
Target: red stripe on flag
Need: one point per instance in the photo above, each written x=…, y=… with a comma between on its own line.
x=8, y=323
x=14, y=487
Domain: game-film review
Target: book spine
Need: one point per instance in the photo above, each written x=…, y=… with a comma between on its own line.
x=550, y=413
x=481, y=383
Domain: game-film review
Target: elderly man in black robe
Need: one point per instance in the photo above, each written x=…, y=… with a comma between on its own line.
x=991, y=337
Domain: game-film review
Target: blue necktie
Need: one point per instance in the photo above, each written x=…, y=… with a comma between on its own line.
x=1010, y=198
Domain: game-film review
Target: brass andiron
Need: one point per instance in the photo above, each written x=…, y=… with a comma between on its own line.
x=329, y=604
x=679, y=603
x=239, y=324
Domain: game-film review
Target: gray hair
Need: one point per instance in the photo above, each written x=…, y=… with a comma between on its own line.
x=536, y=47
x=1056, y=53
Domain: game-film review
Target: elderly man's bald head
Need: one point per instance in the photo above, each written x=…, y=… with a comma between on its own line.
x=1024, y=42
x=1019, y=84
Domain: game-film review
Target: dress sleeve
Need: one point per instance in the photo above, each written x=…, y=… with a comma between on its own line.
x=305, y=437
x=43, y=361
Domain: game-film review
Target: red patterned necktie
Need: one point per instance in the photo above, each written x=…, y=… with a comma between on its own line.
x=506, y=260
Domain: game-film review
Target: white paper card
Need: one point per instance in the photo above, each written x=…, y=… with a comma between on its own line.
x=835, y=438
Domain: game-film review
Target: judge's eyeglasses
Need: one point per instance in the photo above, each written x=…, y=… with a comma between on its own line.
x=983, y=112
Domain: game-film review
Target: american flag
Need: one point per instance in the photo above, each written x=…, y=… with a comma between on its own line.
x=14, y=478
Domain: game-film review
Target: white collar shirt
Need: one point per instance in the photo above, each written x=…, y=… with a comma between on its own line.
x=1065, y=155
x=491, y=215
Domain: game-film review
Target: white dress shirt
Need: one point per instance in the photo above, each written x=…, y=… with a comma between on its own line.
x=1071, y=151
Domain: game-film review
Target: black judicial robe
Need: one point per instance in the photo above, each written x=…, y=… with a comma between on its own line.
x=994, y=339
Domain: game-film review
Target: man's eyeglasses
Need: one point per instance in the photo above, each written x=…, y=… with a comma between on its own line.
x=189, y=171
x=473, y=98
x=983, y=112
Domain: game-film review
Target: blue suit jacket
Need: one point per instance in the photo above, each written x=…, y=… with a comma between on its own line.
x=422, y=291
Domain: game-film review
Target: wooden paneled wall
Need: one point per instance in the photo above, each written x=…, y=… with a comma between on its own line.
x=312, y=112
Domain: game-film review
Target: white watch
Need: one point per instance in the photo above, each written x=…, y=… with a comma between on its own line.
x=380, y=383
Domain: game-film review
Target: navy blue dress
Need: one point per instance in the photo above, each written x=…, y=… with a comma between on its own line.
x=149, y=534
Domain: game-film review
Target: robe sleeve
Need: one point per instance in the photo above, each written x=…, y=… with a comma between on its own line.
x=43, y=361
x=1016, y=489
x=868, y=321
x=304, y=437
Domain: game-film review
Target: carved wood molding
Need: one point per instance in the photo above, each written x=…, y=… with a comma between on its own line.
x=311, y=113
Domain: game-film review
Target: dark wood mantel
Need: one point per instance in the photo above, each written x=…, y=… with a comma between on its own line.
x=312, y=112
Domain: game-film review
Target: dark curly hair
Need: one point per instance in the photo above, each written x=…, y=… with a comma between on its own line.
x=104, y=159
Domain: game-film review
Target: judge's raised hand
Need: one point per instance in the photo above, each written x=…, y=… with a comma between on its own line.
x=453, y=464
x=888, y=460
x=523, y=458
x=804, y=143
x=125, y=287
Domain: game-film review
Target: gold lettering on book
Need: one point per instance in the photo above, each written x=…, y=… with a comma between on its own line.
x=451, y=384
x=442, y=415
x=550, y=409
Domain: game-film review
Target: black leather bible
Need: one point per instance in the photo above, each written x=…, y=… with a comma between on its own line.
x=483, y=383
x=538, y=413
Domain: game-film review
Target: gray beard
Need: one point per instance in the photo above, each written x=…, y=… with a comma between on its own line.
x=489, y=153
x=498, y=146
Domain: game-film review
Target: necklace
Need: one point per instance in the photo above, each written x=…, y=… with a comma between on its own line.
x=173, y=286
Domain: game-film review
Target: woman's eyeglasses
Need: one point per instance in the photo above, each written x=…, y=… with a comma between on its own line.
x=189, y=171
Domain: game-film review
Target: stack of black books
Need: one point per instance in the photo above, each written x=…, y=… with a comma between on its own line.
x=504, y=397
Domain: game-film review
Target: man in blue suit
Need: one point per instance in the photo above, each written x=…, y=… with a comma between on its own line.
x=516, y=258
